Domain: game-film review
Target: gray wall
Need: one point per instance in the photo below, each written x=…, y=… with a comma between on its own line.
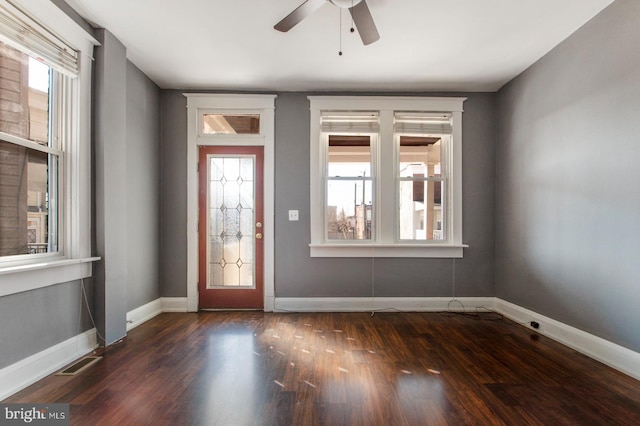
x=36, y=320
x=143, y=186
x=297, y=275
x=127, y=197
x=173, y=200
x=110, y=171
x=33, y=321
x=568, y=199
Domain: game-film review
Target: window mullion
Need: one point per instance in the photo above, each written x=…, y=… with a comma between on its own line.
x=386, y=198
x=454, y=177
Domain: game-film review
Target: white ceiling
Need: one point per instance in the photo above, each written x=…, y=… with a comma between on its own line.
x=425, y=45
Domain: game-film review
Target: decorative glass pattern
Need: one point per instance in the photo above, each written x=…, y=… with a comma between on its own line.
x=231, y=244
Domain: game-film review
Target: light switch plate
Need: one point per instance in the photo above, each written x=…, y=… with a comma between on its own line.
x=293, y=215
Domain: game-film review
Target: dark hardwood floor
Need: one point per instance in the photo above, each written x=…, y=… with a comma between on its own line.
x=250, y=368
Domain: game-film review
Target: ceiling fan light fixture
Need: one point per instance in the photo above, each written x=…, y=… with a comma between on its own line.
x=360, y=15
x=345, y=4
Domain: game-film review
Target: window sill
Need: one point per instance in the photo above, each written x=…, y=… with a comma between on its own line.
x=388, y=250
x=31, y=276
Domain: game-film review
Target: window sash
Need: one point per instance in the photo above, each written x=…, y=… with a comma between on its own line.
x=53, y=168
x=61, y=118
x=371, y=234
x=444, y=206
x=373, y=137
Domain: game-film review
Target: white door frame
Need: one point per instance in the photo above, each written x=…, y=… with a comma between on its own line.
x=197, y=104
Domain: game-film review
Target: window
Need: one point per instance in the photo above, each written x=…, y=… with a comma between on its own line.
x=422, y=141
x=349, y=139
x=29, y=156
x=386, y=177
x=231, y=124
x=44, y=147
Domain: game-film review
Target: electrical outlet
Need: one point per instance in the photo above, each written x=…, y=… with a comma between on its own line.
x=293, y=215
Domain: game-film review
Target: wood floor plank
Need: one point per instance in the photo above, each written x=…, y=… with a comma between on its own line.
x=252, y=368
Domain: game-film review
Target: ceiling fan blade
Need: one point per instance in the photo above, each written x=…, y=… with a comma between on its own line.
x=364, y=22
x=295, y=17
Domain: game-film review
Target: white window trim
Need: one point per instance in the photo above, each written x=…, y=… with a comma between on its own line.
x=386, y=243
x=201, y=103
x=73, y=262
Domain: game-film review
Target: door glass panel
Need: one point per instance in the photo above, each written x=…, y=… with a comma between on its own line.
x=231, y=244
x=231, y=124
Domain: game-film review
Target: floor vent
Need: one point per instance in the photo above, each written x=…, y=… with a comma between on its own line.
x=79, y=366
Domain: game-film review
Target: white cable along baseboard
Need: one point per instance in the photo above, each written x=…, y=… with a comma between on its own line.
x=369, y=304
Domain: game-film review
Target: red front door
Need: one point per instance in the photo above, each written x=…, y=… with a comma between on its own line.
x=231, y=248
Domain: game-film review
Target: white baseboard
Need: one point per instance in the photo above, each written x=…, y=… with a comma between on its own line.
x=174, y=304
x=29, y=370
x=154, y=308
x=366, y=304
x=269, y=303
x=143, y=313
x=602, y=350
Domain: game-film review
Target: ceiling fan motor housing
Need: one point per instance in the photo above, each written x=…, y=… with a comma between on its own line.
x=345, y=4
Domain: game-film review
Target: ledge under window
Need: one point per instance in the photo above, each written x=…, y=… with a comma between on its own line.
x=388, y=250
x=31, y=276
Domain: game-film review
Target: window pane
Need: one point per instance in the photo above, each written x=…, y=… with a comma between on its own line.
x=349, y=156
x=349, y=188
x=420, y=156
x=24, y=96
x=231, y=124
x=349, y=209
x=27, y=217
x=420, y=193
x=420, y=206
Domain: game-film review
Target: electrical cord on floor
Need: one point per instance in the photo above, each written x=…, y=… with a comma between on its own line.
x=481, y=313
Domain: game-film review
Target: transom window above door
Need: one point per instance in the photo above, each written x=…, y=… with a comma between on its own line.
x=231, y=124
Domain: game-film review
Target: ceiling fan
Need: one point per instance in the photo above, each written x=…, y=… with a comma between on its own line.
x=358, y=9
